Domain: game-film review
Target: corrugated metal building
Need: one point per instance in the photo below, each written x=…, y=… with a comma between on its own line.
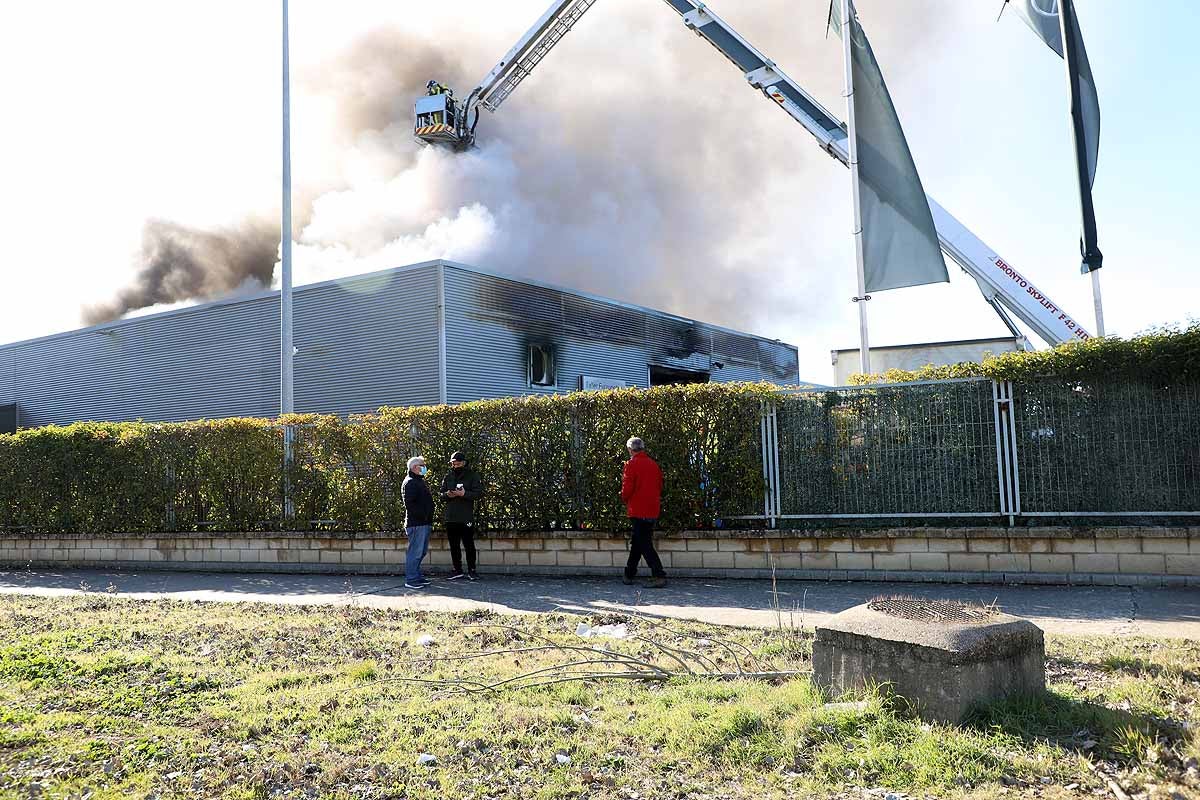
x=426, y=333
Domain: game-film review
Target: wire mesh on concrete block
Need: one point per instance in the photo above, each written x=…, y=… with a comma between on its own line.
x=927, y=449
x=1121, y=446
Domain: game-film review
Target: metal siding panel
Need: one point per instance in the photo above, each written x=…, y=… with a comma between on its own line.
x=364, y=342
x=368, y=343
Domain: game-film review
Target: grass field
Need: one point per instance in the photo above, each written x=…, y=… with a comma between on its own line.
x=111, y=698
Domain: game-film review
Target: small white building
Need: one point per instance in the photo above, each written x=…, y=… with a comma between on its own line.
x=915, y=356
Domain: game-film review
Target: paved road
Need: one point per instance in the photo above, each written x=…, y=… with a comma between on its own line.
x=1081, y=611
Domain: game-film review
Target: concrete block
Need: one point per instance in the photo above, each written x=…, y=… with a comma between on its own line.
x=1183, y=565
x=767, y=545
x=940, y=545
x=516, y=558
x=788, y=560
x=1144, y=564
x=1008, y=562
x=702, y=546
x=331, y=557
x=1052, y=562
x=570, y=558
x=615, y=545
x=1080, y=545
x=314, y=557
x=509, y=544
x=686, y=560
x=1096, y=562
x=598, y=558
x=531, y=543
x=930, y=562
x=750, y=561
x=1152, y=544
x=799, y=545
x=854, y=560
x=372, y=557
x=731, y=545
x=987, y=545
x=872, y=545
x=556, y=544
x=438, y=558
x=968, y=562
x=713, y=560
x=910, y=544
x=891, y=562
x=1018, y=544
x=665, y=545
x=490, y=558
x=942, y=668
x=819, y=561
x=835, y=546
x=543, y=559
x=1118, y=545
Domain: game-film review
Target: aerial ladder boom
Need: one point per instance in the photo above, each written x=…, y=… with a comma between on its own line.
x=1003, y=286
x=440, y=119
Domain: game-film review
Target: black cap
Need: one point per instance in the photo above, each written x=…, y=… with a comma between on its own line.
x=459, y=455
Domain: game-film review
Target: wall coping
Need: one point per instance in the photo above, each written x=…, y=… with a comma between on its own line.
x=1039, y=532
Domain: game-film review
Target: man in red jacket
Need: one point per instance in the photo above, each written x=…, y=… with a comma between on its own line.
x=641, y=489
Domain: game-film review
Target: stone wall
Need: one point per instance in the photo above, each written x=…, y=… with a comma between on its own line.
x=1100, y=556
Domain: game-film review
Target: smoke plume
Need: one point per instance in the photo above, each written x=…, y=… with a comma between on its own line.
x=179, y=263
x=655, y=177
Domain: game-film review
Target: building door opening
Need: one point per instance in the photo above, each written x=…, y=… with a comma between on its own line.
x=673, y=376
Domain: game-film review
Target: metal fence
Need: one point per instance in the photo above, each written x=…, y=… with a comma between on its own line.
x=980, y=448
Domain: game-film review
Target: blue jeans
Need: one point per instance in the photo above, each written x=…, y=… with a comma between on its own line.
x=418, y=546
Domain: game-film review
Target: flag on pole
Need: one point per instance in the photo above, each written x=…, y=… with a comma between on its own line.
x=1056, y=24
x=900, y=242
x=1042, y=18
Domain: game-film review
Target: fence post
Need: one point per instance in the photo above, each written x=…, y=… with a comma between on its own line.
x=1006, y=450
x=769, y=440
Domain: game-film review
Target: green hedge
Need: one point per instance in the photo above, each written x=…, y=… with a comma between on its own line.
x=547, y=463
x=1162, y=355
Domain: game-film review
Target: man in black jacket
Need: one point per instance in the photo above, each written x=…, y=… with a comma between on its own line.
x=418, y=521
x=461, y=487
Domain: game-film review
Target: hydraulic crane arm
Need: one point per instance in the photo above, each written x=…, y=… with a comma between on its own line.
x=1002, y=285
x=439, y=119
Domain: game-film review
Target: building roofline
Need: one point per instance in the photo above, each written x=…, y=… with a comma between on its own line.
x=249, y=297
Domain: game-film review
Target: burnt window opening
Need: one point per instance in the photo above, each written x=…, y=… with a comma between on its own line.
x=673, y=376
x=541, y=366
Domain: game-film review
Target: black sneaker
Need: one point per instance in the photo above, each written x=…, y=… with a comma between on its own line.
x=628, y=581
x=415, y=584
x=456, y=575
x=472, y=575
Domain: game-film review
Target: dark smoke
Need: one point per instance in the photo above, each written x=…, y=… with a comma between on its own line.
x=181, y=263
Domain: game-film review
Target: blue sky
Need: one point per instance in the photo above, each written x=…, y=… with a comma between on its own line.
x=152, y=109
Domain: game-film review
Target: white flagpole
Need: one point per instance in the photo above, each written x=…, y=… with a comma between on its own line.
x=863, y=297
x=286, y=399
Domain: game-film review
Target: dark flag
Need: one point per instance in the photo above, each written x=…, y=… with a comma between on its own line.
x=1055, y=22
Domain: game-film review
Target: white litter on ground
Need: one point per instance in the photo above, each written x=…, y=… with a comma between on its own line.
x=620, y=631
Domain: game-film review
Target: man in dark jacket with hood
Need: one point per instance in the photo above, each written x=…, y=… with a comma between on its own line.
x=461, y=488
